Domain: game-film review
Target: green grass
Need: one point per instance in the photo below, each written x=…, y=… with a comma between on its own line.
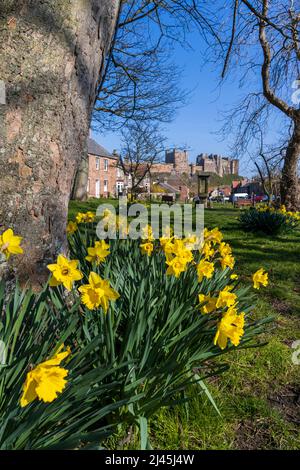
x=90, y=205
x=257, y=396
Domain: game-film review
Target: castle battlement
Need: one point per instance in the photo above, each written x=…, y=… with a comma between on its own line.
x=218, y=164
x=177, y=161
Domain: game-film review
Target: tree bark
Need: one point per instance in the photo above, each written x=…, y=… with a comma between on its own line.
x=289, y=183
x=52, y=54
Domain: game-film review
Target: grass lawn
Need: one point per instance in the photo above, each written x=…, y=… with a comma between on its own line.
x=259, y=397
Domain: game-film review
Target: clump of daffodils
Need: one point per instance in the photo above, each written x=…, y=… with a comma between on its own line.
x=178, y=255
x=98, y=292
x=270, y=220
x=214, y=255
x=85, y=217
x=281, y=210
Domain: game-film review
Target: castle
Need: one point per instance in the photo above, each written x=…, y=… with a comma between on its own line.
x=217, y=164
x=176, y=161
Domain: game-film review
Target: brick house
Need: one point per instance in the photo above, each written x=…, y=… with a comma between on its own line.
x=105, y=177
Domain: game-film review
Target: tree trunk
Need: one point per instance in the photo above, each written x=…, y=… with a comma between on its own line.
x=81, y=180
x=289, y=184
x=52, y=55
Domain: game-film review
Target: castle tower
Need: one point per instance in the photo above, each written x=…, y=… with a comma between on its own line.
x=179, y=159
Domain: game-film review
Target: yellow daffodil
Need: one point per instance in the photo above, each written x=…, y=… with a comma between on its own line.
x=226, y=298
x=166, y=236
x=210, y=303
x=80, y=217
x=191, y=242
x=234, y=276
x=164, y=240
x=86, y=217
x=186, y=254
x=97, y=293
x=179, y=250
x=10, y=244
x=90, y=216
x=107, y=213
x=214, y=235
x=64, y=272
x=227, y=261
x=147, y=233
x=122, y=225
x=98, y=253
x=205, y=269
x=260, y=278
x=176, y=266
x=230, y=327
x=72, y=227
x=225, y=249
x=283, y=209
x=167, y=245
x=207, y=250
x=147, y=248
x=46, y=380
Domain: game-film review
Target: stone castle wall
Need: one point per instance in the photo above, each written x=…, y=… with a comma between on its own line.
x=217, y=164
x=176, y=161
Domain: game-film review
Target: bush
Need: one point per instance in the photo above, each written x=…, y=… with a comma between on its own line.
x=269, y=220
x=152, y=319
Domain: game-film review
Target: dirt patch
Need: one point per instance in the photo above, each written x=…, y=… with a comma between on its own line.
x=258, y=432
x=254, y=435
x=287, y=402
x=281, y=306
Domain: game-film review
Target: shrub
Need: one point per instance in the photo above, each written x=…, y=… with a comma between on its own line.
x=269, y=220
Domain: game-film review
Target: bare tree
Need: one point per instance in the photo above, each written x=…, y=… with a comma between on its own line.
x=52, y=57
x=262, y=39
x=143, y=145
x=140, y=83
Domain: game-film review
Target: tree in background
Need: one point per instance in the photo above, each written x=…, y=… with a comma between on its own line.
x=142, y=146
x=262, y=39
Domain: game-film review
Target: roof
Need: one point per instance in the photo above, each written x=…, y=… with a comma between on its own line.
x=96, y=149
x=168, y=187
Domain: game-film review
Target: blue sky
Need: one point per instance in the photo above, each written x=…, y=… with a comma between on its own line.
x=195, y=124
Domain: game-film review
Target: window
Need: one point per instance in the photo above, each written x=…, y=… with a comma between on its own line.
x=105, y=165
x=120, y=185
x=97, y=163
x=88, y=186
x=105, y=186
x=119, y=172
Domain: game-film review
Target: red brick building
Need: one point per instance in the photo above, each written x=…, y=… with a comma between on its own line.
x=105, y=177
